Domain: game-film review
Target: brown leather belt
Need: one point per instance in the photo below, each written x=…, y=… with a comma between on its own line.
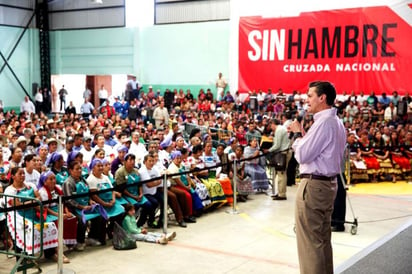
x=317, y=177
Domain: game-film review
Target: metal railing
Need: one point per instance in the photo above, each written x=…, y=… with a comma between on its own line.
x=27, y=235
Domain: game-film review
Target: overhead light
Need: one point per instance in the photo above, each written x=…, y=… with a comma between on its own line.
x=97, y=1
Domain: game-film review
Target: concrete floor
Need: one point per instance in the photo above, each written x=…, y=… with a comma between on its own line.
x=260, y=239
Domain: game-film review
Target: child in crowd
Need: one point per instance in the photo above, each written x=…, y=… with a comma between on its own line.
x=141, y=234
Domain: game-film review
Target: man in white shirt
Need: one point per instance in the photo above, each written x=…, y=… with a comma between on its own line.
x=103, y=95
x=220, y=84
x=150, y=189
x=32, y=175
x=352, y=111
x=361, y=98
x=390, y=112
x=67, y=148
x=27, y=106
x=137, y=148
x=86, y=149
x=161, y=115
x=100, y=143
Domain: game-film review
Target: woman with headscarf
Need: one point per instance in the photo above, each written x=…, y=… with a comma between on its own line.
x=215, y=189
x=195, y=162
x=43, y=151
x=99, y=182
x=56, y=164
x=84, y=208
x=178, y=188
x=253, y=168
x=28, y=219
x=188, y=184
x=180, y=143
x=128, y=183
x=244, y=185
x=78, y=157
x=119, y=160
x=49, y=191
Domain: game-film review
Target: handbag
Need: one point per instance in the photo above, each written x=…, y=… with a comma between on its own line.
x=278, y=160
x=121, y=239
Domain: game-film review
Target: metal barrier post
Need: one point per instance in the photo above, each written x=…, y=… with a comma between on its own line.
x=165, y=205
x=348, y=179
x=273, y=171
x=25, y=259
x=60, y=269
x=234, y=210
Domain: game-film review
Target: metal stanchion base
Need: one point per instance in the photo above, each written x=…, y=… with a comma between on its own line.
x=232, y=211
x=61, y=271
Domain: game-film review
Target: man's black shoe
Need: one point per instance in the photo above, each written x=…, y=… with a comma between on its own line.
x=190, y=219
x=278, y=198
x=338, y=228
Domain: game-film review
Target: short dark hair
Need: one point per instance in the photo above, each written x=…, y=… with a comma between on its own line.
x=276, y=122
x=324, y=87
x=129, y=156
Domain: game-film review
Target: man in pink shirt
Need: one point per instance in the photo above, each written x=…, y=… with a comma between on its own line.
x=319, y=153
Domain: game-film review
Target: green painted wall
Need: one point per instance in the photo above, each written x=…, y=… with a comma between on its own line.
x=165, y=56
x=185, y=54
x=94, y=52
x=25, y=62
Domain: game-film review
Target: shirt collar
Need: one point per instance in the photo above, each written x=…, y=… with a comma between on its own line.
x=325, y=113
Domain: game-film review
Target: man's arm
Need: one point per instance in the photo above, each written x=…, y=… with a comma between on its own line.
x=307, y=149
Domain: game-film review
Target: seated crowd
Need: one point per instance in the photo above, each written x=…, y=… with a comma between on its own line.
x=110, y=165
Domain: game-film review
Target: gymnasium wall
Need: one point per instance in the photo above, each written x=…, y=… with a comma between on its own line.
x=24, y=62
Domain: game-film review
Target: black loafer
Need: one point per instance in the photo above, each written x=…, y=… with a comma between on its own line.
x=338, y=228
x=190, y=219
x=278, y=198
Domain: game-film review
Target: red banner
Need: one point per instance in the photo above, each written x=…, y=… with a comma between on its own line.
x=361, y=49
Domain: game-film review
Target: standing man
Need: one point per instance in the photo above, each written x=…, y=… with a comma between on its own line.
x=280, y=145
x=62, y=95
x=103, y=95
x=339, y=208
x=161, y=115
x=86, y=109
x=38, y=98
x=320, y=154
x=220, y=84
x=46, y=100
x=87, y=93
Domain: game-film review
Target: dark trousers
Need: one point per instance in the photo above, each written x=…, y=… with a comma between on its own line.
x=339, y=210
x=62, y=104
x=154, y=201
x=110, y=226
x=81, y=230
x=98, y=229
x=291, y=171
x=158, y=196
x=148, y=209
x=39, y=107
